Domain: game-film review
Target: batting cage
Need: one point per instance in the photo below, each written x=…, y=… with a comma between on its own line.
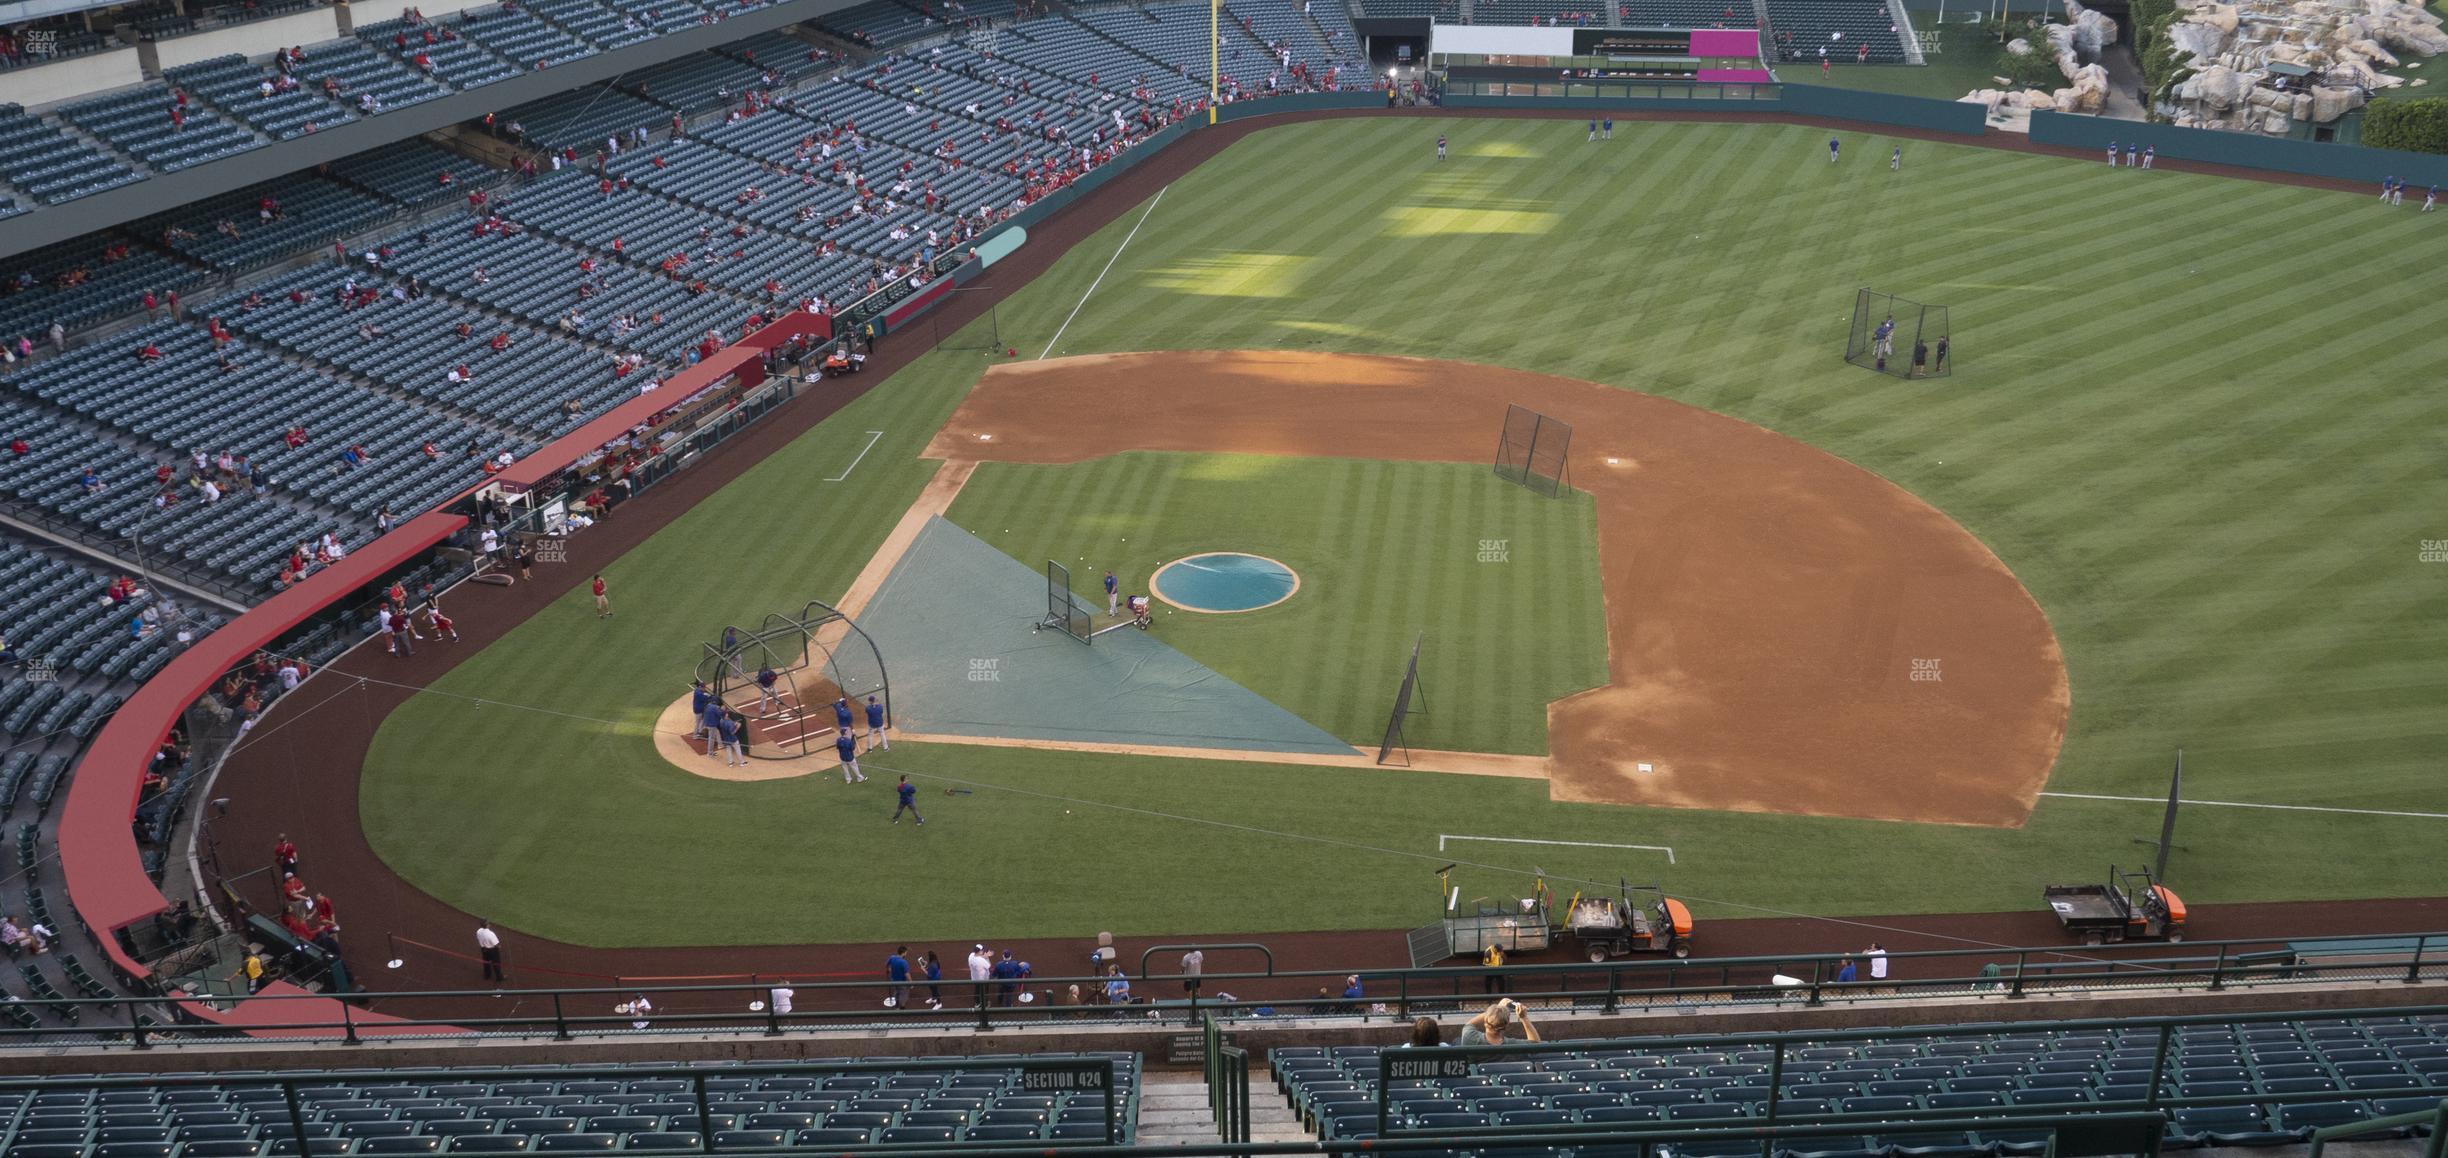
x=985, y=332
x=818, y=657
x=1409, y=699
x=1895, y=336
x=1064, y=612
x=1534, y=450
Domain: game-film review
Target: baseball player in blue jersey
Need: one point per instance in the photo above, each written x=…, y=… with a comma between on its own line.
x=875, y=727
x=845, y=746
x=909, y=804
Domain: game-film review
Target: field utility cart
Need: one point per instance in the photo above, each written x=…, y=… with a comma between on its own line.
x=1639, y=919
x=2132, y=906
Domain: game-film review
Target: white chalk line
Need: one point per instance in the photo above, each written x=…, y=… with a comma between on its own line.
x=1100, y=277
x=2250, y=804
x=872, y=436
x=1442, y=837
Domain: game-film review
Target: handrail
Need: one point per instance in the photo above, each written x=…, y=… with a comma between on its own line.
x=2437, y=1116
x=1202, y=947
x=265, y=1013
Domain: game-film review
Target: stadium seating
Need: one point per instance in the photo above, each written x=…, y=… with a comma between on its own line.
x=787, y=56
x=571, y=209
x=56, y=615
x=536, y=279
x=521, y=38
x=523, y=387
x=694, y=83
x=581, y=120
x=1441, y=11
x=1801, y=27
x=2364, y=1063
x=456, y=60
x=237, y=537
x=355, y=71
x=410, y=173
x=364, y=1112
x=959, y=127
x=139, y=123
x=33, y=293
x=701, y=174
x=236, y=87
x=594, y=23
x=1323, y=41
x=183, y=404
x=1171, y=37
x=974, y=184
x=880, y=24
x=1076, y=53
x=231, y=232
x=49, y=165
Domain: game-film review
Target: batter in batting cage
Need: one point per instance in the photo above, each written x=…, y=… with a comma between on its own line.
x=1896, y=336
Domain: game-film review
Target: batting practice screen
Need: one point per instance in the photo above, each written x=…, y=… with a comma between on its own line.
x=1063, y=611
x=1534, y=451
x=1895, y=336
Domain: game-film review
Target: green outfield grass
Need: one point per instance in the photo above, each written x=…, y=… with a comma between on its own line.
x=2213, y=467
x=1384, y=550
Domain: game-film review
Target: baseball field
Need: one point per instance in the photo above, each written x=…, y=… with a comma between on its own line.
x=2176, y=493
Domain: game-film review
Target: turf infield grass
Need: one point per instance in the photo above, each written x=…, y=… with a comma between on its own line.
x=1383, y=550
x=2215, y=478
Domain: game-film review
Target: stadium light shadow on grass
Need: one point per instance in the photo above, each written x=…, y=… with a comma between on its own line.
x=1232, y=275
x=1427, y=221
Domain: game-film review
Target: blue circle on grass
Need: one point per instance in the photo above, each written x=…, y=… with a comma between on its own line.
x=1224, y=581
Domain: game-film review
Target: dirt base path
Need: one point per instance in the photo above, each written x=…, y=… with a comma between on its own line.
x=1786, y=632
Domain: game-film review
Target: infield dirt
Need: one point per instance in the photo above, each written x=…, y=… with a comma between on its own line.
x=1786, y=631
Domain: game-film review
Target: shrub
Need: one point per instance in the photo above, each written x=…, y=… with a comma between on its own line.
x=2419, y=125
x=2038, y=69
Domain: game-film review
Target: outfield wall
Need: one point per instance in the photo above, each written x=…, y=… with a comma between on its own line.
x=2244, y=150
x=1804, y=100
x=1846, y=104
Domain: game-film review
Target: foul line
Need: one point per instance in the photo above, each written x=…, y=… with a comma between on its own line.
x=1100, y=277
x=1443, y=837
x=2249, y=804
x=872, y=436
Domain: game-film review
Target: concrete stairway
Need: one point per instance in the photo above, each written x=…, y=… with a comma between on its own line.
x=1173, y=1111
